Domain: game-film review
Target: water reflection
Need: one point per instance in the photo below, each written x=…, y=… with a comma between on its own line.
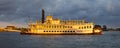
x=67, y=41
x=107, y=40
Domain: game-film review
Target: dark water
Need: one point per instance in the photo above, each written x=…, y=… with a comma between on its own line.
x=15, y=40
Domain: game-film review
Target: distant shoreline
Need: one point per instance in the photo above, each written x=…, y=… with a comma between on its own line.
x=111, y=31
x=10, y=31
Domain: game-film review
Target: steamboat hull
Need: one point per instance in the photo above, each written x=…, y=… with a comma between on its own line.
x=29, y=33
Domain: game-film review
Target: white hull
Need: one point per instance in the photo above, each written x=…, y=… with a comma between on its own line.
x=42, y=32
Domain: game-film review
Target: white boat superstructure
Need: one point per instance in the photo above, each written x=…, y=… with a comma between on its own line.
x=52, y=25
x=56, y=26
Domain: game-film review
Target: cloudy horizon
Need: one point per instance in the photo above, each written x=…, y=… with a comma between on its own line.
x=103, y=12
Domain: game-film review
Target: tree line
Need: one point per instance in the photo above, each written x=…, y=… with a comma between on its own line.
x=105, y=28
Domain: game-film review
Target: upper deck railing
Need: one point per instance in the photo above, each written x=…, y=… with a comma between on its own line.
x=68, y=22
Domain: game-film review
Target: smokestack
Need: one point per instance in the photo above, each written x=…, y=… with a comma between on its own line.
x=43, y=12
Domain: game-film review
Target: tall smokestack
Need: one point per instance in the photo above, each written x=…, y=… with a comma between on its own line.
x=43, y=12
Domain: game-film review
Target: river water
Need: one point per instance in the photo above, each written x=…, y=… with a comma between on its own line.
x=16, y=40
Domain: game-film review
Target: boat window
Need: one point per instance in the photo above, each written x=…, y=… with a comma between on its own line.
x=65, y=31
x=90, y=26
x=68, y=26
x=68, y=31
x=52, y=27
x=63, y=26
x=55, y=26
x=84, y=27
x=73, y=31
x=49, y=26
x=60, y=26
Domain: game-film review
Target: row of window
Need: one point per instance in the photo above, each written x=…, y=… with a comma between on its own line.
x=59, y=31
x=85, y=27
x=54, y=26
x=59, y=26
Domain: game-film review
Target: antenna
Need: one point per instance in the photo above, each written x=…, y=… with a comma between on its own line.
x=93, y=18
x=29, y=20
x=83, y=17
x=76, y=21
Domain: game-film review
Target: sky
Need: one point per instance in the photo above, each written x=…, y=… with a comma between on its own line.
x=102, y=12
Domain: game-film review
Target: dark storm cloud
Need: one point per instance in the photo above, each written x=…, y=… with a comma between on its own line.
x=7, y=8
x=101, y=11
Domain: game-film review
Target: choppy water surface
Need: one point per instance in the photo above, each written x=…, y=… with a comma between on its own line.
x=15, y=40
